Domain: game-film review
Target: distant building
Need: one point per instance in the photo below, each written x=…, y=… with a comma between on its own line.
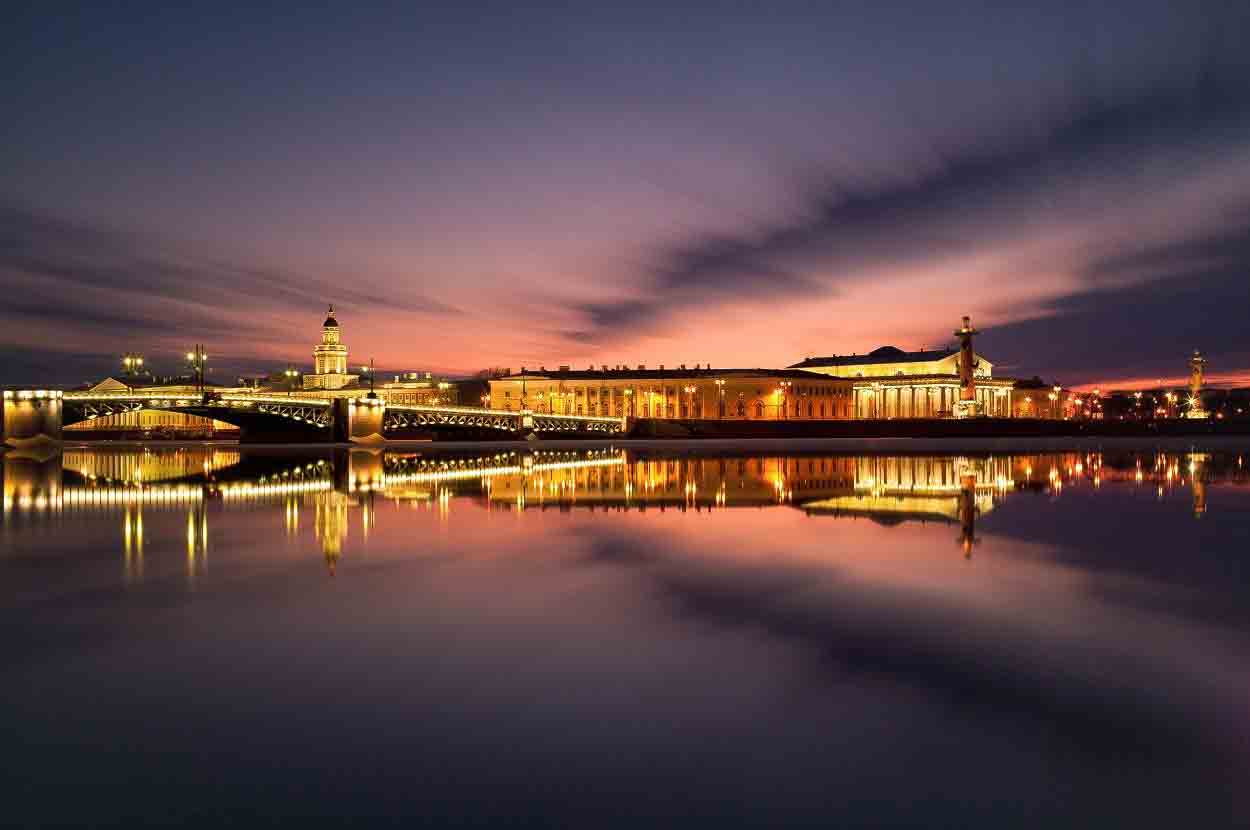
x=885, y=383
x=419, y=388
x=330, y=359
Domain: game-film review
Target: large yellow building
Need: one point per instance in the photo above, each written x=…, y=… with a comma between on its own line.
x=885, y=383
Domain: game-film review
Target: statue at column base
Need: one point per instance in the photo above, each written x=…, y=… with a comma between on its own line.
x=967, y=409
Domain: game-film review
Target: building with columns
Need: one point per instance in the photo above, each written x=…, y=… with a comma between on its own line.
x=330, y=359
x=769, y=394
x=885, y=383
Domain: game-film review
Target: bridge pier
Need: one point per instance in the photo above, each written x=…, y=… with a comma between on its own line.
x=359, y=420
x=32, y=417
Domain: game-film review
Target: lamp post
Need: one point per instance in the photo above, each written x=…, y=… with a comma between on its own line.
x=784, y=395
x=368, y=370
x=291, y=374
x=486, y=402
x=720, y=388
x=689, y=390
x=197, y=358
x=132, y=362
x=1057, y=392
x=541, y=396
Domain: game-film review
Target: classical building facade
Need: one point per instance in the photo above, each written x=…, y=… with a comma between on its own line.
x=771, y=394
x=330, y=359
x=885, y=383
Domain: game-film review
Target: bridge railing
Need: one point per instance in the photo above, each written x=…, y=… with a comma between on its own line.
x=459, y=410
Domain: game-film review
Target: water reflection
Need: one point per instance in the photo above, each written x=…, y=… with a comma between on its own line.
x=339, y=489
x=734, y=631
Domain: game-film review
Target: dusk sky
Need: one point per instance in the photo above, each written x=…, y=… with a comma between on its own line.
x=523, y=184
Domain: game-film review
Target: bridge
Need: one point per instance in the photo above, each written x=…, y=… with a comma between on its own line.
x=34, y=416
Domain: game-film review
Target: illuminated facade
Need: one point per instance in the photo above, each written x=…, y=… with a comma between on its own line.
x=886, y=383
x=329, y=358
x=751, y=394
x=761, y=394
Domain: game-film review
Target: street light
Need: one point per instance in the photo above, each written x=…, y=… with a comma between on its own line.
x=197, y=358
x=785, y=397
x=291, y=374
x=689, y=390
x=720, y=386
x=368, y=370
x=132, y=362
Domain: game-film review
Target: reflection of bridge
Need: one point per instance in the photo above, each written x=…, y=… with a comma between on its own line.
x=341, y=486
x=31, y=416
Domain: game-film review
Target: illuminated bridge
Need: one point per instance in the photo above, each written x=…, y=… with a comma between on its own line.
x=31, y=416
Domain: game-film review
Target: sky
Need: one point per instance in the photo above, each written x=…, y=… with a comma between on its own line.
x=478, y=185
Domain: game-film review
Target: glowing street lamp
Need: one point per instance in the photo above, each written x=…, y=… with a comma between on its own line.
x=291, y=374
x=197, y=358
x=689, y=390
x=720, y=387
x=132, y=362
x=783, y=395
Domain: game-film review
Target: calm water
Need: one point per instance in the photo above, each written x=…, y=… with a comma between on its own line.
x=610, y=638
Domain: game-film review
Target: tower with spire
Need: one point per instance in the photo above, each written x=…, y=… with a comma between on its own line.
x=329, y=358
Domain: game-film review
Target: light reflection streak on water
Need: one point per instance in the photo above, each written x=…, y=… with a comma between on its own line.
x=953, y=488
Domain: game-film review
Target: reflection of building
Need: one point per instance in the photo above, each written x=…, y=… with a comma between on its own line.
x=331, y=525
x=329, y=359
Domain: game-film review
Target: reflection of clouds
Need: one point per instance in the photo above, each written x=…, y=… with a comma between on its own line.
x=1042, y=646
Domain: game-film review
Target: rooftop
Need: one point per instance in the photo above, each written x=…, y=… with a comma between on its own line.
x=885, y=354
x=678, y=372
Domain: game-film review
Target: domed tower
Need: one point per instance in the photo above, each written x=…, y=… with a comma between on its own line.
x=329, y=358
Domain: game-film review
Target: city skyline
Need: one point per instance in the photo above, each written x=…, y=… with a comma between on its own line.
x=493, y=186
